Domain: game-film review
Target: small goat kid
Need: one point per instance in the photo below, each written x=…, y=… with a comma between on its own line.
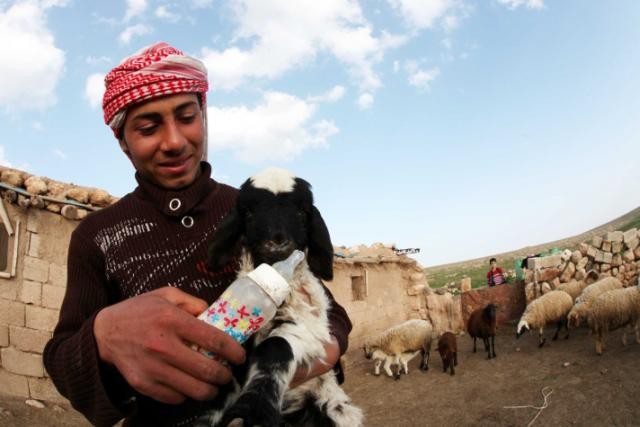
x=274, y=215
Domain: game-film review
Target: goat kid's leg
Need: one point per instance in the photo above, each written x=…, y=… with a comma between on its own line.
x=376, y=369
x=451, y=363
x=387, y=366
x=398, y=362
x=271, y=368
x=405, y=366
x=487, y=347
x=474, y=344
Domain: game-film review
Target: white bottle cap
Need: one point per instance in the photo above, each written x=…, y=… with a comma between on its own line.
x=271, y=282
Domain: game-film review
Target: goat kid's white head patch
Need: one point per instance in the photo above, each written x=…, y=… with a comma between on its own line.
x=275, y=180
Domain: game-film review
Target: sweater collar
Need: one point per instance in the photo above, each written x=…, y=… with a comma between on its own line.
x=177, y=202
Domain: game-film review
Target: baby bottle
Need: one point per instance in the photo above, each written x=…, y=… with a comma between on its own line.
x=251, y=301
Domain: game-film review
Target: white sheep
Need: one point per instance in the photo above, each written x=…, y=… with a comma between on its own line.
x=412, y=335
x=612, y=310
x=580, y=310
x=575, y=287
x=549, y=308
x=382, y=358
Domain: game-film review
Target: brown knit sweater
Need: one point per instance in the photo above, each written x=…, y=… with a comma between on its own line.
x=139, y=244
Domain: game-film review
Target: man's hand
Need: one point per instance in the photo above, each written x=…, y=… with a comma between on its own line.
x=319, y=367
x=148, y=339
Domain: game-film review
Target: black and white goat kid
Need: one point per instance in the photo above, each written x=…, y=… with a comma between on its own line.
x=274, y=215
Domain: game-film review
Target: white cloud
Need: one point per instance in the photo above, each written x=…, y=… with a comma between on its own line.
x=279, y=129
x=529, y=4
x=446, y=43
x=134, y=8
x=419, y=77
x=365, y=101
x=334, y=94
x=132, y=31
x=164, y=13
x=94, y=89
x=59, y=153
x=30, y=55
x=201, y=4
x=97, y=60
x=420, y=14
x=284, y=35
x=3, y=159
x=38, y=126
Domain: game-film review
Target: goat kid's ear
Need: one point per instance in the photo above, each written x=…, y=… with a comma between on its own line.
x=320, y=254
x=225, y=241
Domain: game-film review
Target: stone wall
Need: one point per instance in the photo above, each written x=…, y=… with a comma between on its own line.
x=615, y=253
x=30, y=301
x=509, y=299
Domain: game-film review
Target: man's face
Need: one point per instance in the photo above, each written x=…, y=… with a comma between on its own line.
x=493, y=265
x=164, y=139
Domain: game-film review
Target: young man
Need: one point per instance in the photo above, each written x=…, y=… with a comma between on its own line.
x=495, y=276
x=136, y=277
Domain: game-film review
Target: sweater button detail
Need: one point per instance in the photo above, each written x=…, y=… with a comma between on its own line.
x=187, y=221
x=174, y=204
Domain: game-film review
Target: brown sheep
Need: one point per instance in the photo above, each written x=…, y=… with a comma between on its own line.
x=482, y=324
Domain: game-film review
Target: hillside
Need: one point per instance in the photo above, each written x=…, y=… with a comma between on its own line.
x=477, y=268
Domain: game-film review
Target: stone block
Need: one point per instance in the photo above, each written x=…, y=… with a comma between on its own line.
x=568, y=272
x=14, y=385
x=614, y=236
x=555, y=283
x=43, y=389
x=35, y=269
x=616, y=247
x=583, y=248
x=606, y=246
x=26, y=339
x=34, y=245
x=614, y=272
x=52, y=296
x=592, y=252
x=22, y=363
x=630, y=235
x=636, y=252
x=415, y=290
x=629, y=256
x=596, y=242
x=465, y=284
x=33, y=222
x=551, y=261
x=632, y=243
x=31, y=292
x=582, y=264
x=616, y=260
x=547, y=274
x=57, y=275
x=599, y=256
x=608, y=257
x=4, y=335
x=576, y=256
x=43, y=319
x=417, y=277
x=11, y=313
x=605, y=267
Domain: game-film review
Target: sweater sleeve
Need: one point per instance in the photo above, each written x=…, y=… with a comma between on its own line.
x=339, y=322
x=71, y=356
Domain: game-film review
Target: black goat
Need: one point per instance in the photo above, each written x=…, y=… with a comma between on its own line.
x=274, y=215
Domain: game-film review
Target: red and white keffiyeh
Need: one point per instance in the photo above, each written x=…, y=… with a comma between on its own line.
x=154, y=71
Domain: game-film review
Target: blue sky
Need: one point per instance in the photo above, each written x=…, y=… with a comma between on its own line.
x=464, y=128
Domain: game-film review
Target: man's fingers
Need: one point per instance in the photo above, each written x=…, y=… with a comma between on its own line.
x=212, y=339
x=183, y=300
x=200, y=366
x=186, y=385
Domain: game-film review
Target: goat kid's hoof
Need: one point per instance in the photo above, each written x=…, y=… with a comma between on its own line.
x=542, y=343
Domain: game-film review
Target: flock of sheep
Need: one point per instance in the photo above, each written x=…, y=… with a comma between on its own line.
x=604, y=304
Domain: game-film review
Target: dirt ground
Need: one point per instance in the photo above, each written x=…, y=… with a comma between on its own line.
x=592, y=391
